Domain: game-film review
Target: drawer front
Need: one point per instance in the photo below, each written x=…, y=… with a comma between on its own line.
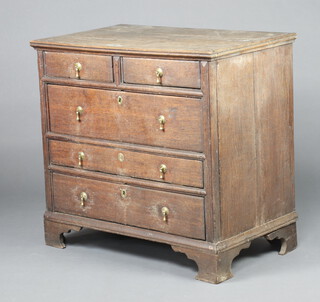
x=135, y=119
x=128, y=163
x=92, y=67
x=162, y=211
x=174, y=73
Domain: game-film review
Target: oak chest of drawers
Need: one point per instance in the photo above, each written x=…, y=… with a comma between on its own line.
x=181, y=136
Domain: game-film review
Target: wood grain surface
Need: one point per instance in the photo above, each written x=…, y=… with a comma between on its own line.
x=237, y=152
x=274, y=123
x=166, y=41
x=255, y=139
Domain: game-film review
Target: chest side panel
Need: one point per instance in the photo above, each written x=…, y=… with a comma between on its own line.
x=274, y=103
x=237, y=152
x=255, y=110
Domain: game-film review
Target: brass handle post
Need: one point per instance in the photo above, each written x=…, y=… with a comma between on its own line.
x=79, y=111
x=159, y=73
x=162, y=121
x=80, y=158
x=165, y=213
x=77, y=67
x=163, y=171
x=83, y=198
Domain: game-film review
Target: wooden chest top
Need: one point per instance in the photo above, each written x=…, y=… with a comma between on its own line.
x=209, y=43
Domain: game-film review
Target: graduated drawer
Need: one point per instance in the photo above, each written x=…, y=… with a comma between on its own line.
x=96, y=68
x=135, y=119
x=128, y=163
x=151, y=209
x=161, y=72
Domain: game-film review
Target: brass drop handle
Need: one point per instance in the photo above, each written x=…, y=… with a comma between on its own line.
x=159, y=73
x=77, y=67
x=83, y=198
x=162, y=121
x=165, y=213
x=80, y=158
x=163, y=170
x=79, y=111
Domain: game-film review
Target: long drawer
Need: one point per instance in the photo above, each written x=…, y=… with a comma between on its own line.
x=162, y=211
x=172, y=122
x=129, y=163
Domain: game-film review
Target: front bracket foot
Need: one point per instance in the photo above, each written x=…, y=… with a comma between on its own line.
x=288, y=237
x=213, y=268
x=54, y=232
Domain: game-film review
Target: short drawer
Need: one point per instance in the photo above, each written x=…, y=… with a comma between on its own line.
x=152, y=209
x=161, y=72
x=128, y=163
x=79, y=66
x=172, y=122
